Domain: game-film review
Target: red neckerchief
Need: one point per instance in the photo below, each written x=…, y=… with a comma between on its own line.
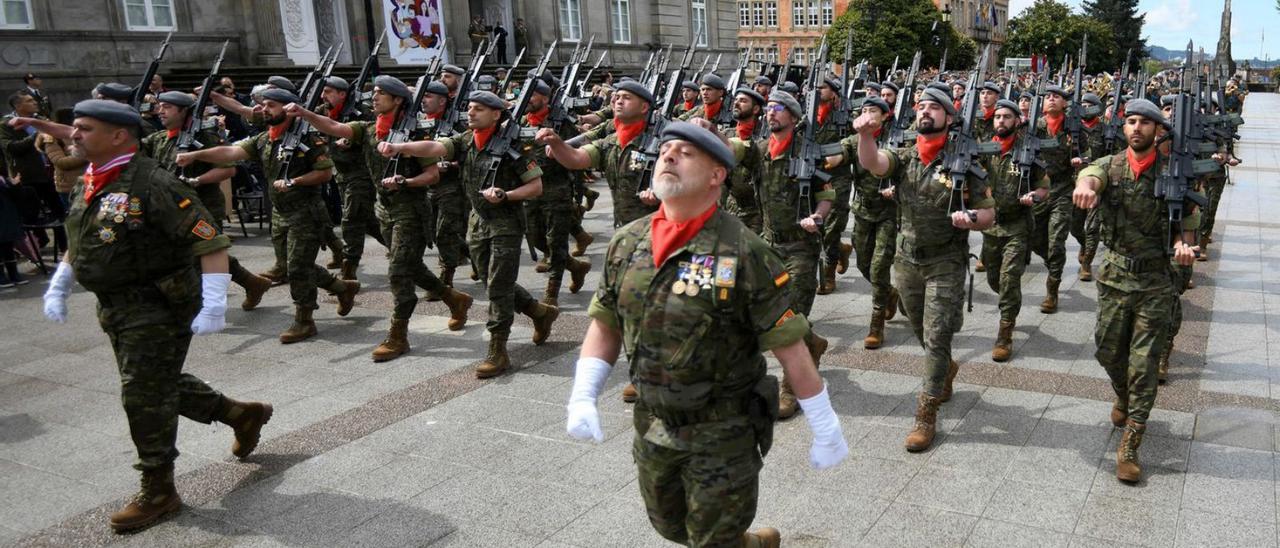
x=275, y=132
x=1139, y=166
x=1090, y=123
x=480, y=137
x=688, y=105
x=171, y=133
x=746, y=128
x=989, y=113
x=435, y=115
x=336, y=110
x=929, y=147
x=778, y=147
x=958, y=105
x=627, y=132
x=98, y=177
x=382, y=127
x=824, y=110
x=1006, y=143
x=713, y=109
x=535, y=119
x=668, y=236
x=1054, y=123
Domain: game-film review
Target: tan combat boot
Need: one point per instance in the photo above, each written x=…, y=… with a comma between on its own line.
x=828, y=284
x=577, y=274
x=1119, y=412
x=255, y=287
x=629, y=393
x=817, y=347
x=1050, y=303
x=1004, y=342
x=277, y=274
x=842, y=264
x=875, y=336
x=247, y=419
x=437, y=296
x=1127, y=468
x=1162, y=371
x=895, y=304
x=345, y=291
x=446, y=275
x=335, y=259
x=1086, y=266
x=543, y=266
x=459, y=303
x=396, y=344
x=497, y=362
x=591, y=196
x=952, y=370
x=979, y=266
x=764, y=537
x=787, y=403
x=348, y=271
x=156, y=498
x=543, y=316
x=303, y=327
x=1204, y=249
x=921, y=436
x=551, y=295
x=581, y=241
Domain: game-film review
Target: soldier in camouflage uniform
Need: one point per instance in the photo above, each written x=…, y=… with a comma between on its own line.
x=402, y=196
x=740, y=197
x=1136, y=286
x=688, y=98
x=136, y=234
x=933, y=244
x=495, y=230
x=1214, y=184
x=353, y=178
x=296, y=203
x=835, y=253
x=174, y=111
x=1053, y=216
x=1084, y=224
x=799, y=242
x=988, y=94
x=695, y=307
x=447, y=201
x=712, y=91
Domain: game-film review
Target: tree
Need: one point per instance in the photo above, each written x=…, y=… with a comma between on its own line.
x=1122, y=17
x=883, y=29
x=1049, y=28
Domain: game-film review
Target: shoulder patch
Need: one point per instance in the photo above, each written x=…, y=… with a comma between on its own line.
x=204, y=230
x=782, y=279
x=785, y=316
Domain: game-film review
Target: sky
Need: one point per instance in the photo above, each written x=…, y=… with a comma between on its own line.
x=1170, y=23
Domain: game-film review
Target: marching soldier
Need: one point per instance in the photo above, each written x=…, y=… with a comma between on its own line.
x=740, y=197
x=136, y=234
x=496, y=227
x=358, y=193
x=712, y=91
x=1084, y=224
x=697, y=297
x=1135, y=284
x=889, y=92
x=835, y=253
x=298, y=211
x=689, y=98
x=984, y=129
x=447, y=202
x=933, y=244
x=1053, y=216
x=762, y=85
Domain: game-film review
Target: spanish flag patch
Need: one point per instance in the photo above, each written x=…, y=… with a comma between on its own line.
x=785, y=316
x=782, y=279
x=204, y=230
x=185, y=203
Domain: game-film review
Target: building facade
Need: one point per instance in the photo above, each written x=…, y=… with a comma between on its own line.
x=772, y=29
x=985, y=21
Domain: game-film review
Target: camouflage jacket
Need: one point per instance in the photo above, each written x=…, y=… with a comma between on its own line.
x=779, y=193
x=926, y=235
x=266, y=153
x=557, y=182
x=1057, y=159
x=348, y=161
x=159, y=147
x=1005, y=181
x=868, y=204
x=365, y=143
x=619, y=166
x=489, y=220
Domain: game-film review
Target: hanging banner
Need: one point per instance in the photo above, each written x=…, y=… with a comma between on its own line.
x=415, y=30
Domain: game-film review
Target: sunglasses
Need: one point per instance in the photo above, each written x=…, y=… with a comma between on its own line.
x=775, y=108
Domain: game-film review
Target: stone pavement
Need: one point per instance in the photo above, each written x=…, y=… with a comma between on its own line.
x=417, y=452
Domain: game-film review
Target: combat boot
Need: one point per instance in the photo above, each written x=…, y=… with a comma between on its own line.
x=335, y=260
x=1162, y=371
x=497, y=362
x=817, y=347
x=580, y=241
x=156, y=498
x=1127, y=468
x=842, y=264
x=952, y=370
x=894, y=306
x=345, y=291
x=551, y=295
x=446, y=275
x=787, y=403
x=543, y=266
x=1004, y=342
x=1119, y=412
x=591, y=196
x=979, y=266
x=1086, y=266
x=277, y=274
x=459, y=303
x=246, y=419
x=1204, y=249
x=475, y=274
x=396, y=344
x=543, y=316
x=1050, y=303
x=303, y=327
x=875, y=336
x=255, y=287
x=577, y=274
x=921, y=436
x=629, y=393
x=764, y=537
x=348, y=271
x=828, y=285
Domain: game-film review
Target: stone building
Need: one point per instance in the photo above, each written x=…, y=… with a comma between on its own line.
x=774, y=28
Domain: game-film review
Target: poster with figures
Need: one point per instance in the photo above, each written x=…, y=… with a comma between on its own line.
x=415, y=30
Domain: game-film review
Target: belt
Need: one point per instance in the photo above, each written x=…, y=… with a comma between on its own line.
x=1135, y=265
x=129, y=296
x=714, y=412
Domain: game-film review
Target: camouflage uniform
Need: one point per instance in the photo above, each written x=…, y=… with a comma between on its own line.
x=932, y=257
x=451, y=209
x=1005, y=246
x=875, y=227
x=494, y=231
x=739, y=196
x=1053, y=216
x=700, y=111
x=624, y=179
x=299, y=216
x=985, y=128
x=704, y=418
x=842, y=183
x=1084, y=223
x=552, y=215
x=358, y=197
x=134, y=245
x=1214, y=184
x=1136, y=284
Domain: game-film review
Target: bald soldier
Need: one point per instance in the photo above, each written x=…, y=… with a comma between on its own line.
x=695, y=297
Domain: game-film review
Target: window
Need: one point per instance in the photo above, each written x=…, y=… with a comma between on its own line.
x=144, y=14
x=16, y=14
x=813, y=13
x=797, y=13
x=828, y=13
x=772, y=9
x=571, y=20
x=700, y=21
x=773, y=54
x=758, y=10
x=744, y=14
x=798, y=56
x=620, y=14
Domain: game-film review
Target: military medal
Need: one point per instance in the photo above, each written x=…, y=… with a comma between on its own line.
x=691, y=290
x=681, y=273
x=678, y=287
x=107, y=235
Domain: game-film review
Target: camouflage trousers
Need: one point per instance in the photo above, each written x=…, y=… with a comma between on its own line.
x=153, y=388
x=874, y=245
x=451, y=210
x=1085, y=228
x=800, y=258
x=408, y=222
x=1052, y=223
x=549, y=225
x=933, y=298
x=280, y=238
x=497, y=260
x=298, y=234
x=698, y=498
x=1006, y=260
x=837, y=220
x=1133, y=330
x=1213, y=187
x=358, y=219
x=1181, y=276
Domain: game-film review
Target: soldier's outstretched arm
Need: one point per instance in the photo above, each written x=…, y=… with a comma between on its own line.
x=421, y=149
x=225, y=154
x=53, y=129
x=561, y=152
x=323, y=124
x=869, y=154
x=829, y=446
x=231, y=104
x=599, y=350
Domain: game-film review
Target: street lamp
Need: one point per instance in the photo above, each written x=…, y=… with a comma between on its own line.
x=946, y=13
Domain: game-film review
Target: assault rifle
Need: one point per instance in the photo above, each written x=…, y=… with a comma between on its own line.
x=196, y=120
x=962, y=148
x=457, y=108
x=144, y=87
x=502, y=146
x=310, y=78
x=502, y=86
x=583, y=90
x=1075, y=121
x=725, y=117
x=406, y=122
x=356, y=97
x=292, y=140
x=1177, y=178
x=1113, y=134
x=562, y=100
x=901, y=122
x=702, y=69
x=803, y=166
x=942, y=67
x=1027, y=156
x=657, y=121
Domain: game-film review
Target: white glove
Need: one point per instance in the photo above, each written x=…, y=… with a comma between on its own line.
x=213, y=308
x=588, y=381
x=55, y=298
x=829, y=447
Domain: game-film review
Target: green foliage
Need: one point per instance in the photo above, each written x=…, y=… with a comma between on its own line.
x=1050, y=28
x=1122, y=17
x=901, y=27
